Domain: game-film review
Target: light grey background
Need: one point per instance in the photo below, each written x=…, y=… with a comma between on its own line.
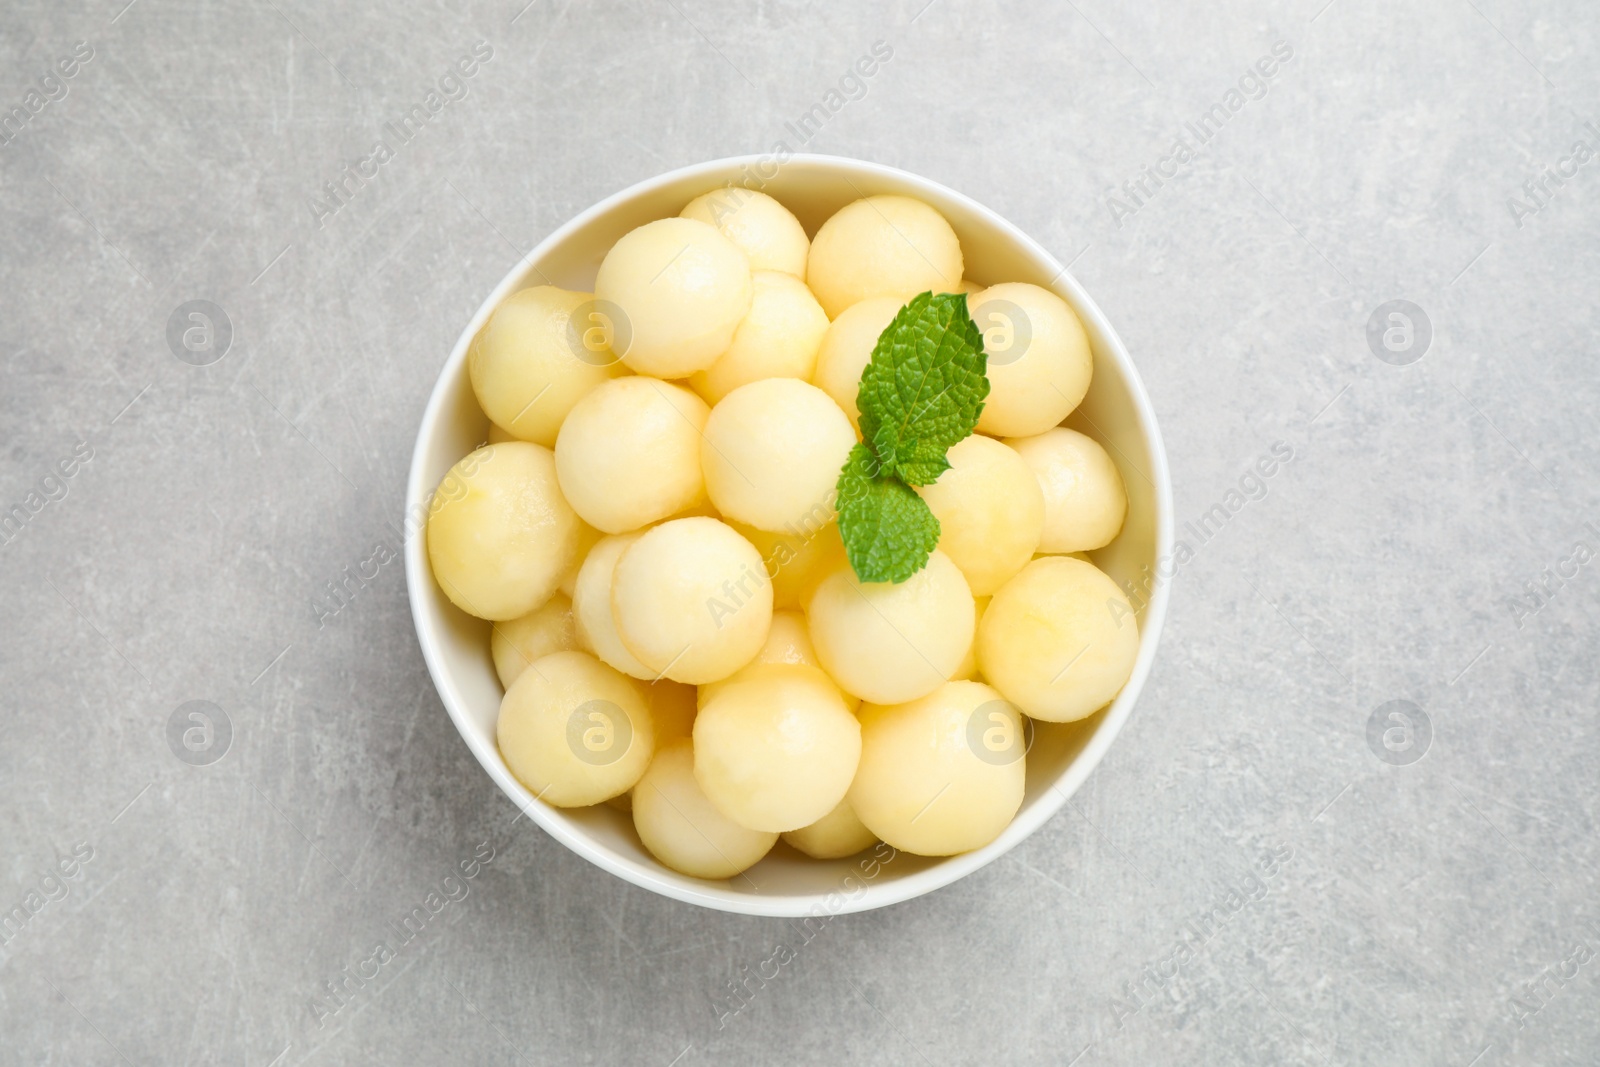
x=1441, y=912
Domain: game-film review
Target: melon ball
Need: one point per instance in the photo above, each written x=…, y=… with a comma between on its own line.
x=588, y=537
x=931, y=782
x=672, y=707
x=500, y=533
x=683, y=829
x=1059, y=639
x=778, y=339
x=772, y=454
x=766, y=232
x=1084, y=498
x=1039, y=362
x=990, y=510
x=846, y=349
x=691, y=600
x=591, y=606
x=629, y=454
x=968, y=671
x=681, y=288
x=890, y=643
x=516, y=643
x=574, y=731
x=796, y=559
x=529, y=364
x=776, y=750
x=882, y=246
x=834, y=836
x=788, y=642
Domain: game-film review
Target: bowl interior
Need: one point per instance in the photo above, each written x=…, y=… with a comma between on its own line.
x=1116, y=412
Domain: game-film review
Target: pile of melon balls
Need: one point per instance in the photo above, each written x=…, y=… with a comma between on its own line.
x=651, y=529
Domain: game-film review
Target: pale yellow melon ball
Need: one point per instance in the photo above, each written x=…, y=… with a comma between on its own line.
x=889, y=643
x=834, y=836
x=629, y=454
x=772, y=454
x=797, y=559
x=691, y=600
x=518, y=642
x=1059, y=639
x=591, y=606
x=683, y=829
x=776, y=750
x=682, y=289
x=574, y=731
x=1039, y=361
x=846, y=350
x=500, y=533
x=990, y=511
x=968, y=671
x=788, y=642
x=529, y=365
x=882, y=246
x=766, y=232
x=588, y=536
x=673, y=706
x=1084, y=498
x=931, y=782
x=778, y=339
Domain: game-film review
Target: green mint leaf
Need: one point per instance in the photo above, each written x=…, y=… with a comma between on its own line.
x=888, y=530
x=924, y=389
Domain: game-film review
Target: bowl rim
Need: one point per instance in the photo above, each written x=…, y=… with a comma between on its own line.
x=717, y=895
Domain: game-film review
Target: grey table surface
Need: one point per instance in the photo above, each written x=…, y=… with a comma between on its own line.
x=1268, y=868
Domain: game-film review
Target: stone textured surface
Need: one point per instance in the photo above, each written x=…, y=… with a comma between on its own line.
x=1440, y=911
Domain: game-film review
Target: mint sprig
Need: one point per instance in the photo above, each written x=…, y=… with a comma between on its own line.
x=920, y=395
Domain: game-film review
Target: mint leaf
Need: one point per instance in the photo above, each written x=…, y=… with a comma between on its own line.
x=887, y=529
x=924, y=389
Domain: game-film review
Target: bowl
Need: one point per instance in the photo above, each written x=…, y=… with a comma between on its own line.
x=1116, y=412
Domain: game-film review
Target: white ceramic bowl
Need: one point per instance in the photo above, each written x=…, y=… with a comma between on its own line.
x=1116, y=412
